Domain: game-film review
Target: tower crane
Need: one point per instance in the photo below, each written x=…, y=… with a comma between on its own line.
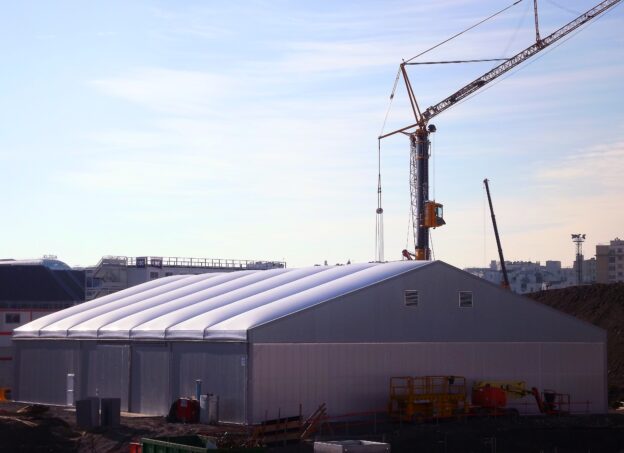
x=427, y=213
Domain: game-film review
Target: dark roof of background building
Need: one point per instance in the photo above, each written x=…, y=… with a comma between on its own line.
x=50, y=263
x=40, y=284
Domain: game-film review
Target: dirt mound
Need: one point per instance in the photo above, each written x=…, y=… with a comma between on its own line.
x=603, y=306
x=32, y=433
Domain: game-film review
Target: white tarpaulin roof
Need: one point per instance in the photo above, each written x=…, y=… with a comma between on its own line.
x=214, y=306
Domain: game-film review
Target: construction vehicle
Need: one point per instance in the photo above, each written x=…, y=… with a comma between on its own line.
x=505, y=282
x=419, y=137
x=490, y=397
x=420, y=398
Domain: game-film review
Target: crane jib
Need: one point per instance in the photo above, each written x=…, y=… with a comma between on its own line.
x=516, y=60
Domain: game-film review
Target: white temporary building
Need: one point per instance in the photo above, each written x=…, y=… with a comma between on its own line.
x=269, y=341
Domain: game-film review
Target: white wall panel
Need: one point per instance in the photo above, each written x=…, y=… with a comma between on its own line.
x=222, y=368
x=106, y=369
x=41, y=370
x=355, y=377
x=150, y=378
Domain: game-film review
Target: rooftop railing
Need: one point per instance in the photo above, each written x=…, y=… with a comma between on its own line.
x=212, y=263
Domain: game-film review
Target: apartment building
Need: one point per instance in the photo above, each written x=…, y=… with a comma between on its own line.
x=610, y=262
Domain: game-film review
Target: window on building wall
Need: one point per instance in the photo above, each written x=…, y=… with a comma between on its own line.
x=12, y=318
x=153, y=275
x=168, y=274
x=465, y=299
x=411, y=297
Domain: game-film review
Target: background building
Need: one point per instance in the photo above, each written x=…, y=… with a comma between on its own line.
x=269, y=341
x=610, y=262
x=527, y=276
x=30, y=289
x=114, y=273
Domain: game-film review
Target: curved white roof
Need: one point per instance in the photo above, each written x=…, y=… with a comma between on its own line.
x=213, y=306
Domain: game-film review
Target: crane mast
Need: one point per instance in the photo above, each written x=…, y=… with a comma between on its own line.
x=427, y=213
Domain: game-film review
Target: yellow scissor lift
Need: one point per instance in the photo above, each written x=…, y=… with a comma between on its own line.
x=426, y=397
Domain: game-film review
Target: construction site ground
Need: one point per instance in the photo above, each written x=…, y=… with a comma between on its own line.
x=53, y=429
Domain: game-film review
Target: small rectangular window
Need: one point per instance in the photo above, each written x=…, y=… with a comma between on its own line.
x=168, y=274
x=153, y=275
x=465, y=299
x=12, y=318
x=411, y=297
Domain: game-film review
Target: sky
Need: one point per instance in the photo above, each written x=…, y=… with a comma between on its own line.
x=248, y=129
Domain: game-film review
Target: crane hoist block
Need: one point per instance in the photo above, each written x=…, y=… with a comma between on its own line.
x=433, y=214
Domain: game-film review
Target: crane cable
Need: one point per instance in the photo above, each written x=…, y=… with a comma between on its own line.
x=431, y=246
x=534, y=59
x=464, y=31
x=396, y=79
x=409, y=222
x=394, y=87
x=433, y=165
x=567, y=10
x=379, y=228
x=458, y=61
x=515, y=33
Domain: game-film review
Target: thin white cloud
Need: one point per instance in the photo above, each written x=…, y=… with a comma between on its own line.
x=599, y=168
x=168, y=90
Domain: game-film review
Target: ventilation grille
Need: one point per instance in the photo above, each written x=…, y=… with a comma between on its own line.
x=465, y=299
x=411, y=297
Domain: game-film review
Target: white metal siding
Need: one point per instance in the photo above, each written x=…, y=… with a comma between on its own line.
x=41, y=370
x=378, y=314
x=222, y=368
x=105, y=368
x=150, y=376
x=355, y=377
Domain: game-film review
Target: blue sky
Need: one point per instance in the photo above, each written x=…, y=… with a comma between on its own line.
x=248, y=129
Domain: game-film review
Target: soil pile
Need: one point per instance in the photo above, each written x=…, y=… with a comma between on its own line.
x=603, y=306
x=47, y=429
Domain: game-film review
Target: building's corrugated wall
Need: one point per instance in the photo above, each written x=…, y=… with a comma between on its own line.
x=343, y=352
x=379, y=314
x=355, y=377
x=147, y=376
x=105, y=371
x=150, y=378
x=222, y=367
x=41, y=369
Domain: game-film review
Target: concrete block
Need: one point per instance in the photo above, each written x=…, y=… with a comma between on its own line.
x=111, y=411
x=88, y=413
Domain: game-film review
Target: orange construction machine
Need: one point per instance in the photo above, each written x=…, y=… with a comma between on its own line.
x=490, y=397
